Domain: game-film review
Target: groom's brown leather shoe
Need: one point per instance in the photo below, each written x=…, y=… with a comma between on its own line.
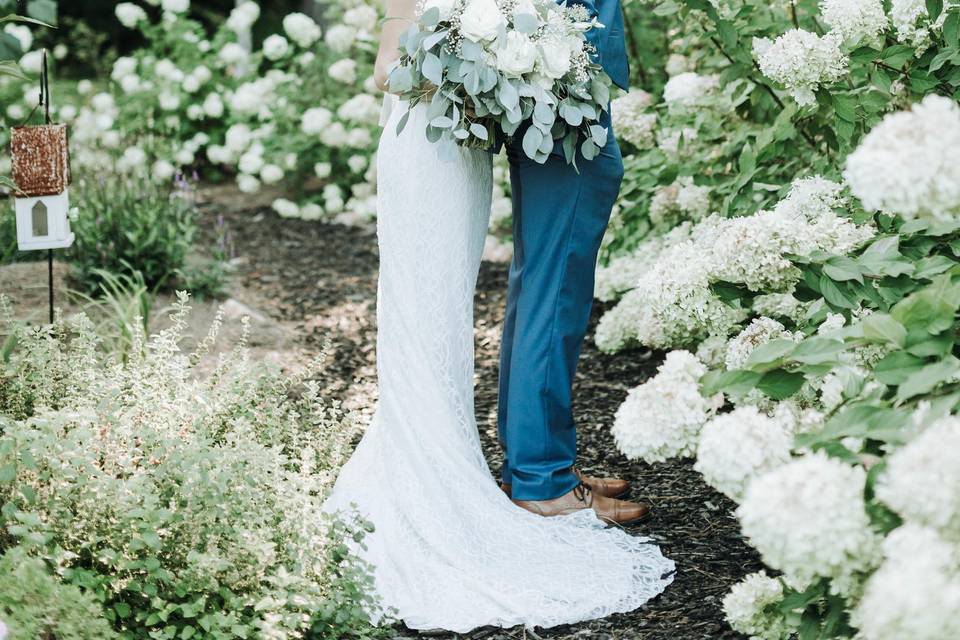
x=582, y=497
x=609, y=487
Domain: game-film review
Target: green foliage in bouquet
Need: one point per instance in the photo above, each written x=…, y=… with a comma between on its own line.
x=542, y=73
x=35, y=604
x=186, y=500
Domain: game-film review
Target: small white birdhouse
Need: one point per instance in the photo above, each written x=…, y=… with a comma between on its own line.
x=41, y=174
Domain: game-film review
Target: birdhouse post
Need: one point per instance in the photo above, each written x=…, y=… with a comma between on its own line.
x=41, y=177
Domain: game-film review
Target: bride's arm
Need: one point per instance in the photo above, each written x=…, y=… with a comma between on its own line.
x=400, y=13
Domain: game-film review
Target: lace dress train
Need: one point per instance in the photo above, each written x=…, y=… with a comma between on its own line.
x=450, y=550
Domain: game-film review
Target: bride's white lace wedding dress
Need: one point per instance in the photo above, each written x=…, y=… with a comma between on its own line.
x=450, y=550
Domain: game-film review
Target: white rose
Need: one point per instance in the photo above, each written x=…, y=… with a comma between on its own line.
x=481, y=21
x=302, y=29
x=275, y=47
x=555, y=58
x=315, y=120
x=518, y=56
x=130, y=14
x=271, y=174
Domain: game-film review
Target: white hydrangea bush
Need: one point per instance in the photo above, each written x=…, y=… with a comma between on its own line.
x=662, y=418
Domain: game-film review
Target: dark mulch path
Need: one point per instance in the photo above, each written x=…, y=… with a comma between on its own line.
x=323, y=279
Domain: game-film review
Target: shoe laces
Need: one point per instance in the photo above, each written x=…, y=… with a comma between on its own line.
x=582, y=492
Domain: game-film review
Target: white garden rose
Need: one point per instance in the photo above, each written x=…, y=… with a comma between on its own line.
x=445, y=7
x=556, y=57
x=275, y=47
x=301, y=29
x=518, y=56
x=481, y=20
x=129, y=14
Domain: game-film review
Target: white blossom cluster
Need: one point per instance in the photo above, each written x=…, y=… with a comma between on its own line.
x=750, y=608
x=680, y=200
x=922, y=480
x=801, y=61
x=912, y=22
x=737, y=447
x=662, y=418
x=624, y=272
x=909, y=164
x=807, y=518
x=673, y=304
x=856, y=21
x=631, y=120
x=686, y=90
x=760, y=331
x=780, y=305
x=916, y=591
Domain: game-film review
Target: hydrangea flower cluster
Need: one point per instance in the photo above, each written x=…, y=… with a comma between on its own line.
x=909, y=164
x=686, y=90
x=916, y=592
x=673, y=304
x=662, y=418
x=736, y=447
x=801, y=61
x=760, y=331
x=807, y=518
x=922, y=480
x=679, y=200
x=856, y=21
x=631, y=120
x=912, y=22
x=751, y=609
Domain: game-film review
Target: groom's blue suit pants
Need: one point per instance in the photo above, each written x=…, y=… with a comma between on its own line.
x=560, y=217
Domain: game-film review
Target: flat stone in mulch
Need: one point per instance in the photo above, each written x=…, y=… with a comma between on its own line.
x=321, y=280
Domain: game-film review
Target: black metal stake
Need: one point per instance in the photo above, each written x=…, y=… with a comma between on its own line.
x=50, y=280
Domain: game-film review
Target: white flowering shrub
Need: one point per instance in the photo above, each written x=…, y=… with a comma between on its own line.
x=187, y=503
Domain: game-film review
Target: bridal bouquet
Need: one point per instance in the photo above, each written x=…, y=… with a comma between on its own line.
x=488, y=66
